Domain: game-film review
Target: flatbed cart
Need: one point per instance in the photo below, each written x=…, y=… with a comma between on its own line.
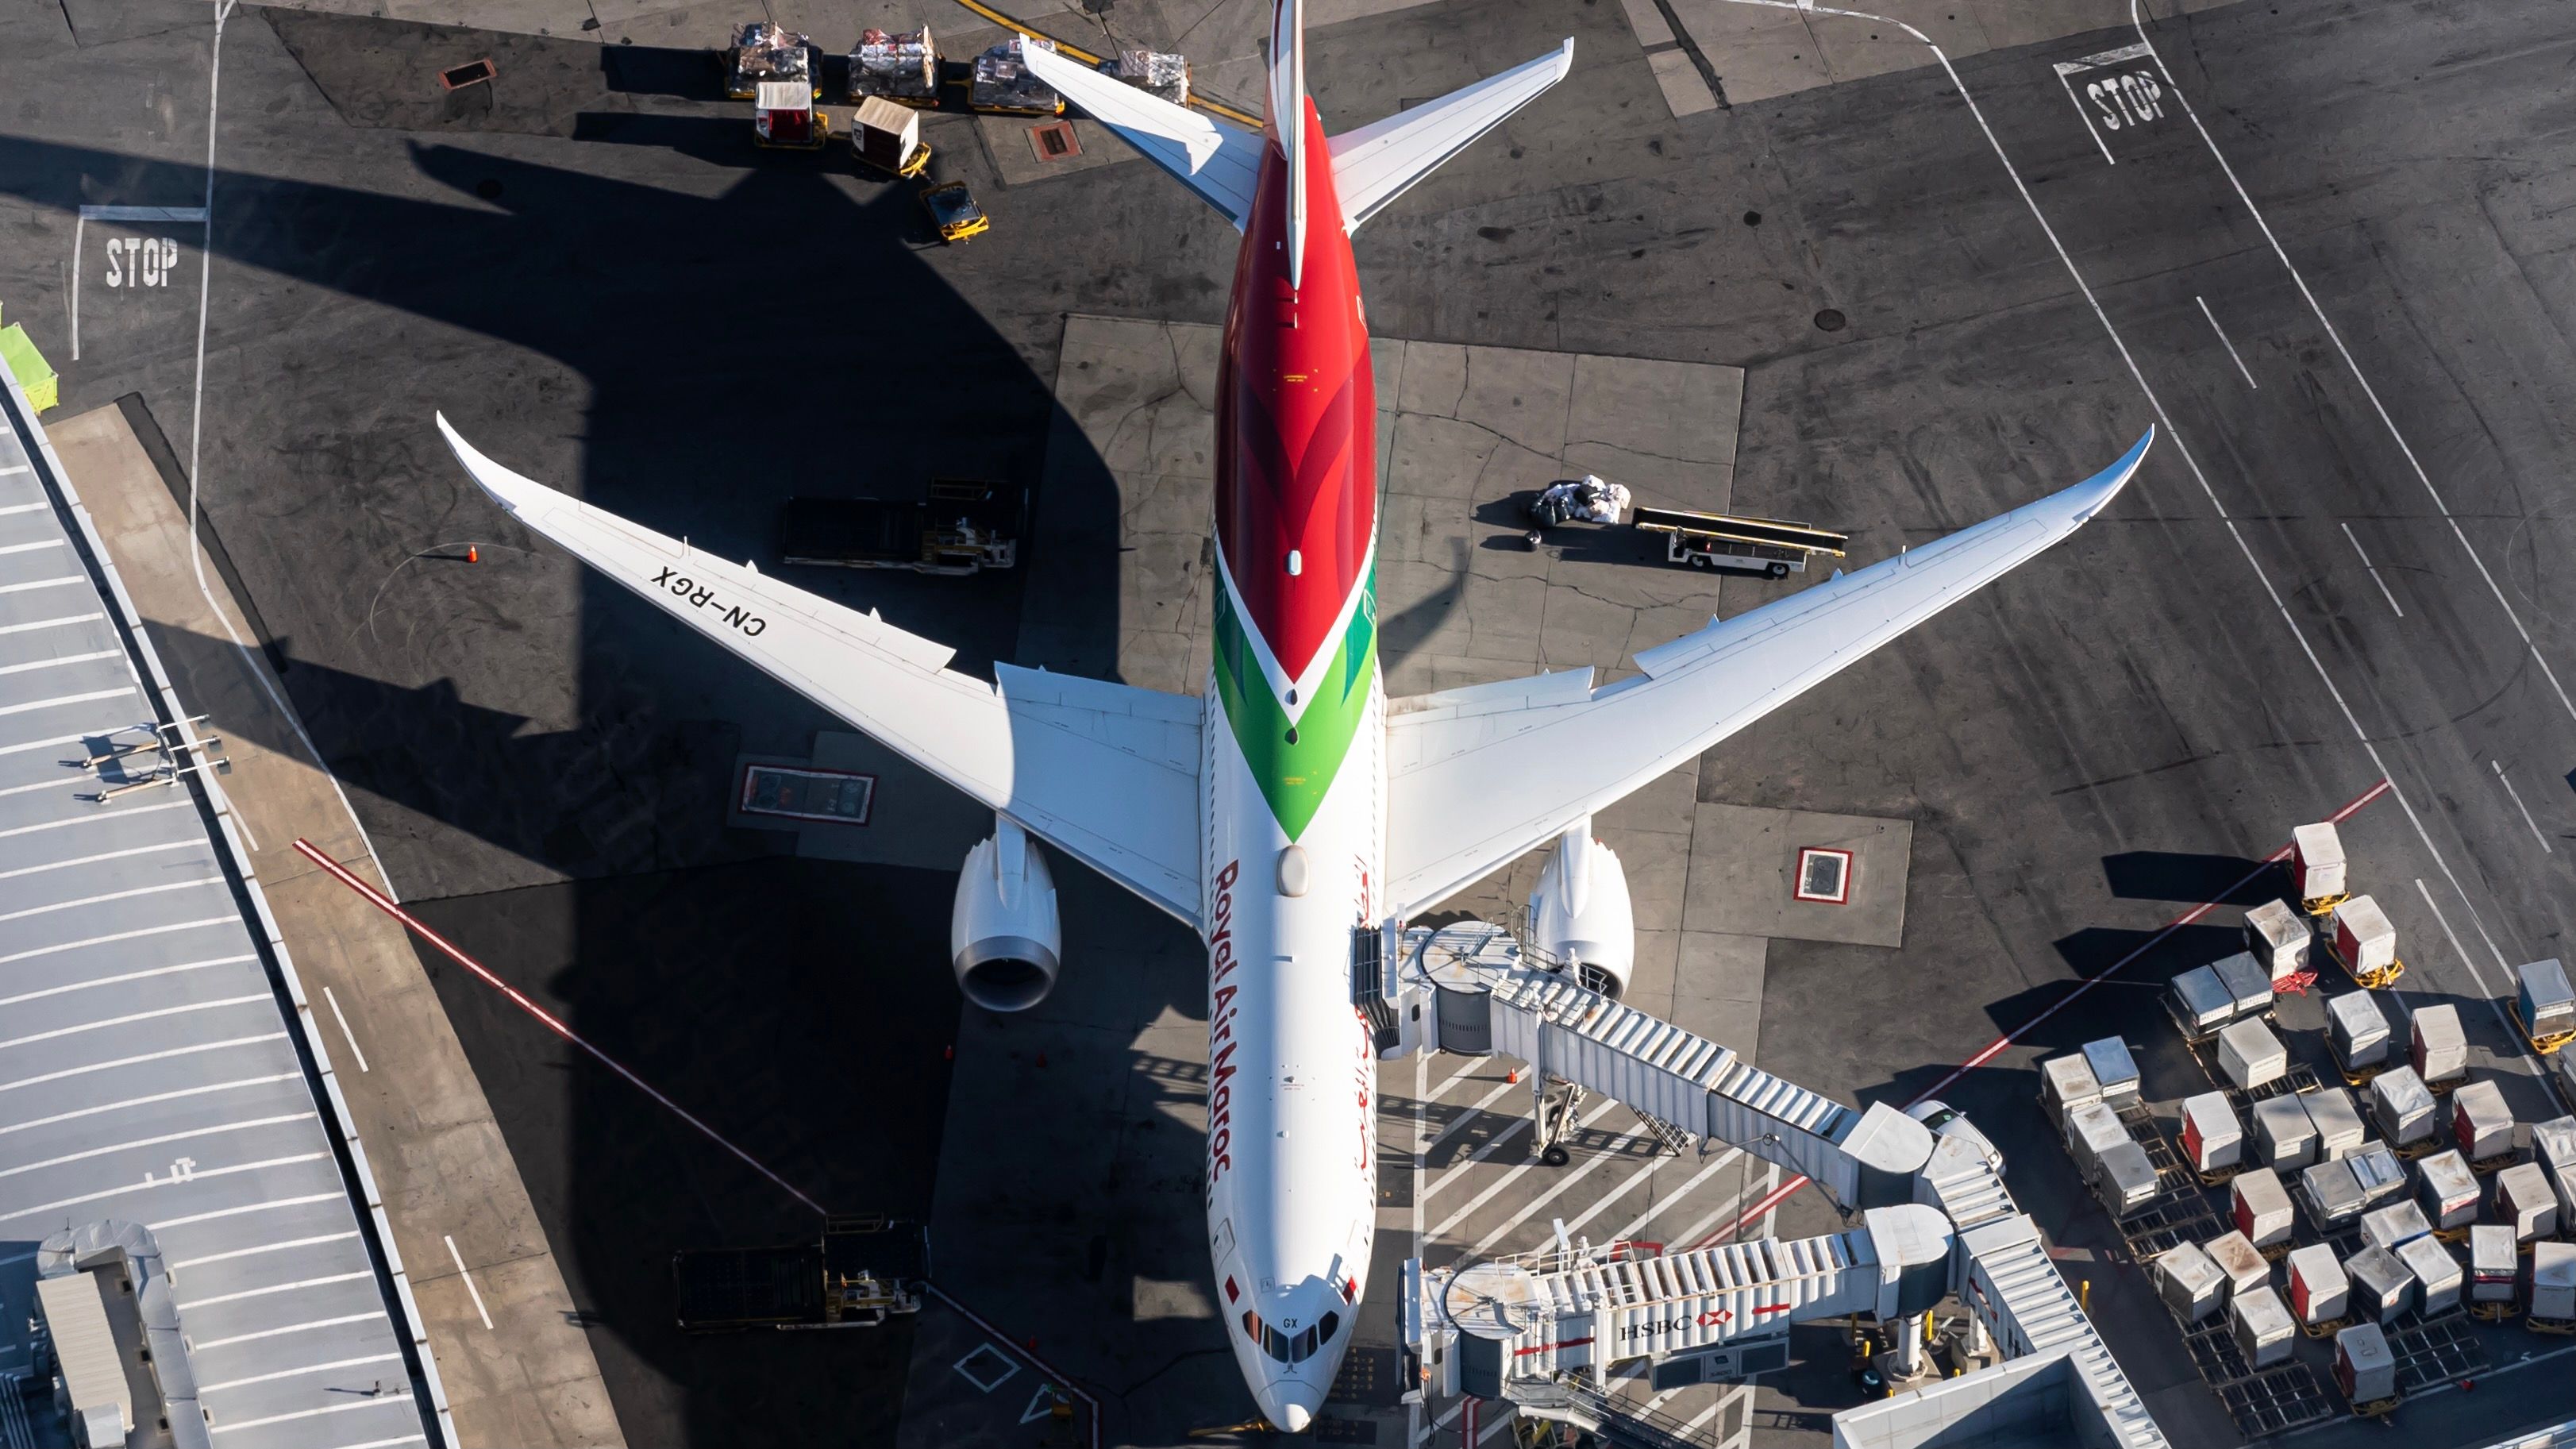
x=1771, y=547
x=962, y=527
x=953, y=212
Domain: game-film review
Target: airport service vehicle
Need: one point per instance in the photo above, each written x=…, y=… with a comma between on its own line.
x=1765, y=546
x=1588, y=499
x=962, y=527
x=861, y=1272
x=1294, y=814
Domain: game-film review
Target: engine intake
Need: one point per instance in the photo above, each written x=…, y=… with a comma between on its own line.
x=1580, y=915
x=1003, y=935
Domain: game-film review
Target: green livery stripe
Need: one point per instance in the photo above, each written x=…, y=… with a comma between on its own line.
x=1295, y=761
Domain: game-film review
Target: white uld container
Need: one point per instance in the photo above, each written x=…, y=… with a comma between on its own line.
x=2340, y=1130
x=2548, y=1006
x=2525, y=1202
x=2200, y=1002
x=2386, y=1227
x=2191, y=1284
x=2495, y=1266
x=2114, y=1070
x=2211, y=1136
x=2562, y=1185
x=2403, y=1107
x=2553, y=1282
x=2066, y=1083
x=2447, y=1190
x=2261, y=1207
x=2251, y=1055
x=2237, y=1261
x=2357, y=1030
x=2316, y=862
x=2092, y=1130
x=2364, y=941
x=2125, y=1181
x=2365, y=1369
x=2248, y=985
x=2435, y=1045
x=2438, y=1279
x=2382, y=1288
x=2284, y=1139
x=2481, y=1124
x=2279, y=937
x=2333, y=1193
x=2378, y=1172
x=2319, y=1291
x=2554, y=1142
x=2263, y=1327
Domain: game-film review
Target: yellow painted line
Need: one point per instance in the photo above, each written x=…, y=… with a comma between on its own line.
x=1087, y=58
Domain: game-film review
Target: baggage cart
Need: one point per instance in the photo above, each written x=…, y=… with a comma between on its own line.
x=2382, y=1288
x=2543, y=1006
x=2320, y=1294
x=2550, y=1300
x=2264, y=1331
x=1771, y=547
x=2244, y=1268
x=784, y=117
x=2125, y=1182
x=2340, y=1130
x=2213, y=1142
x=2066, y=1083
x=887, y=136
x=954, y=213
x=2525, y=1202
x=2114, y=1070
x=762, y=53
x=2251, y=1055
x=2091, y=1131
x=2190, y=1282
x=2448, y=1192
x=899, y=67
x=2398, y=1222
x=2437, y=1047
x=2357, y=1032
x=2279, y=938
x=2495, y=1271
x=2481, y=1124
x=2249, y=986
x=2260, y=1207
x=2438, y=1279
x=2200, y=1004
x=2316, y=868
x=2285, y=1140
x=2365, y=1369
x=2365, y=944
x=1001, y=84
x=2405, y=1111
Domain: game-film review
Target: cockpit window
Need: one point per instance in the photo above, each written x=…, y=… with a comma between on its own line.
x=1291, y=1348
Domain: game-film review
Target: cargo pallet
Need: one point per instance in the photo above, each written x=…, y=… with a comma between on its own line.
x=2174, y=1218
x=2378, y=1408
x=2324, y=905
x=2214, y=1352
x=2277, y=1400
x=2439, y=1352
x=2299, y=1078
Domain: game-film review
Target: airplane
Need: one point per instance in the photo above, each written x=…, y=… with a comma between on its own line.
x=1292, y=811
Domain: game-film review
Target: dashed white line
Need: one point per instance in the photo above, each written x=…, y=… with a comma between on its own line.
x=2373, y=570
x=2507, y=782
x=311, y=1368
x=458, y=1259
x=322, y=1282
x=118, y=1062
x=2232, y=356
x=210, y=1087
x=350, y=1036
x=129, y=1018
x=312, y=1242
x=167, y=1137
x=123, y=977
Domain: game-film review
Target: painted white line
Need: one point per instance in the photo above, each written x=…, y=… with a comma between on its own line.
x=1693, y=1233
x=121, y=935
x=1509, y=1176
x=60, y=784
x=1473, y=1111
x=90, y=658
x=122, y=977
x=311, y=1368
x=1494, y=1144
x=390, y=1396
x=1616, y=1152
x=2373, y=570
x=35, y=584
x=387, y=1443
x=2495, y=1004
x=2063, y=72
x=193, y=1132
x=351, y=1036
x=312, y=1242
x=126, y=895
x=257, y=1207
x=64, y=622
x=210, y=1087
x=458, y=1259
x=2501, y=779
x=95, y=859
x=15, y=468
x=1715, y=1164
x=15, y=508
x=63, y=699
x=42, y=543
x=322, y=1282
x=184, y=1008
x=149, y=1183
x=2230, y=346
x=88, y=816
x=122, y=1062
x=55, y=741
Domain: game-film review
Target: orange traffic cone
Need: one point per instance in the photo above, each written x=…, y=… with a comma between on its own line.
x=473, y=554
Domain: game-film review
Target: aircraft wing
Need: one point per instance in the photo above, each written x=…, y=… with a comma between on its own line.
x=1221, y=163
x=1477, y=777
x=1104, y=772
x=1378, y=162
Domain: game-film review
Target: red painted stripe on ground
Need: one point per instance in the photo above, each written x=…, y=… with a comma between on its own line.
x=1996, y=1047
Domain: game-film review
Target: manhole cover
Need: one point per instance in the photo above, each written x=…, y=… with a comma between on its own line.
x=1831, y=320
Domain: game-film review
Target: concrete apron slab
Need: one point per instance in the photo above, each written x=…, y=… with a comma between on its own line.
x=438, y=1155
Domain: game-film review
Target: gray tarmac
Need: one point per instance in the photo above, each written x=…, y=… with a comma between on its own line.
x=2111, y=736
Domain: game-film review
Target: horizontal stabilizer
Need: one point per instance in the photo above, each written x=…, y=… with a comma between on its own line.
x=1221, y=163
x=1378, y=162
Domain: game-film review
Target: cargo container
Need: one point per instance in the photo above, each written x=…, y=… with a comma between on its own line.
x=2212, y=1139
x=2278, y=937
x=2365, y=1369
x=2114, y=1070
x=2340, y=1130
x=2378, y=1173
x=2092, y=1130
x=2251, y=1055
x=2438, y=1279
x=2200, y=1003
x=2544, y=1006
x=2382, y=1288
x=2244, y=1268
x=2284, y=1139
x=2552, y=1296
x=2495, y=1265
x=2448, y=1192
x=2316, y=868
x=2366, y=944
x=2125, y=1182
x=2249, y=986
x=2554, y=1142
x=2260, y=1207
x=2398, y=1222
x=2436, y=1047
x=2481, y=1124
x=2264, y=1330
x=2357, y=1031
x=2191, y=1284
x=2066, y=1083
x=2525, y=1201
x=2319, y=1291
x=2562, y=1185
x=2403, y=1108
x=2332, y=1193
x=887, y=136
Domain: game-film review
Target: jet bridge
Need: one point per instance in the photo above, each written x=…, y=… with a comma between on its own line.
x=1541, y=1331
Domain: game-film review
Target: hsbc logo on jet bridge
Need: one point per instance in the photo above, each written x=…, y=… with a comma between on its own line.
x=698, y=596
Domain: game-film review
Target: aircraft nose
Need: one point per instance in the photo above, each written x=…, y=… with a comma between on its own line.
x=1290, y=1407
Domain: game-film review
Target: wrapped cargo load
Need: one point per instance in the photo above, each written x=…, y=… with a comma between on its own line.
x=2125, y=1181
x=2200, y=1003
x=2481, y=1124
x=2526, y=1202
x=2278, y=937
x=2319, y=1291
x=2212, y=1140
x=2316, y=867
x=2261, y=1207
x=2285, y=1140
x=2332, y=1193
x=2365, y=1369
x=2244, y=1269
x=766, y=52
x=2552, y=1285
x=2495, y=1265
x=2545, y=1004
x=2378, y=1173
x=2554, y=1142
x=2357, y=1031
x=2066, y=1083
x=2115, y=1071
x=1167, y=76
x=2447, y=1191
x=2436, y=1047
x=2403, y=1107
x=2251, y=1055
x=2249, y=986
x=2386, y=1227
x=1002, y=83
x=902, y=68
x=2340, y=1130
x=2190, y=1282
x=2091, y=1131
x=2264, y=1331
x=2382, y=1288
x=2438, y=1279
x=2366, y=944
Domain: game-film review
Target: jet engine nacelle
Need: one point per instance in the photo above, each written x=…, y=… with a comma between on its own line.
x=1003, y=935
x=1580, y=914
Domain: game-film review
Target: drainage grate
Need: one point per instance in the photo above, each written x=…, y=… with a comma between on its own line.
x=1055, y=141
